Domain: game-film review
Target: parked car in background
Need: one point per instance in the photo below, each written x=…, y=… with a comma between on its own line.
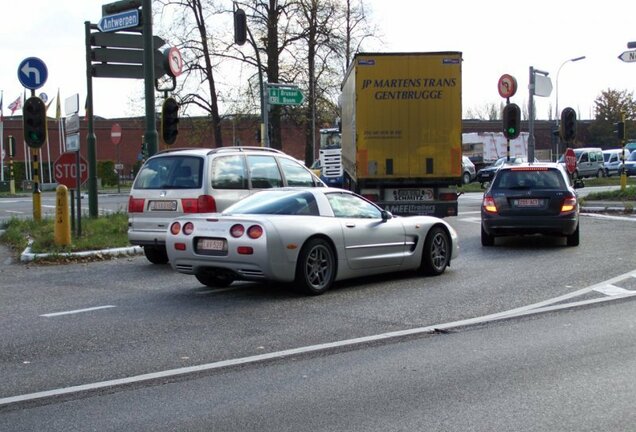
x=533, y=198
x=468, y=170
x=486, y=174
x=310, y=237
x=613, y=160
x=630, y=164
x=589, y=162
x=198, y=180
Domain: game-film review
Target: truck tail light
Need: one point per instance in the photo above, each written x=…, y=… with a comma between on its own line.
x=448, y=196
x=135, y=205
x=489, y=204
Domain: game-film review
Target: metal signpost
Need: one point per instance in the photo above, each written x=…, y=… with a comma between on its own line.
x=540, y=85
x=32, y=74
x=279, y=94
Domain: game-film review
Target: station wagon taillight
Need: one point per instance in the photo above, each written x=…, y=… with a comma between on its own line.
x=489, y=204
x=135, y=205
x=202, y=204
x=569, y=204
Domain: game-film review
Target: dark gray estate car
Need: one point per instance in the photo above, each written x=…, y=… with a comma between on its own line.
x=533, y=198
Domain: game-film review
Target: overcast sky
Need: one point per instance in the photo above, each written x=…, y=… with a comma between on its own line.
x=495, y=37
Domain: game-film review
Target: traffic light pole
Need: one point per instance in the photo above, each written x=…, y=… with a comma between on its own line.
x=149, y=79
x=91, y=139
x=624, y=173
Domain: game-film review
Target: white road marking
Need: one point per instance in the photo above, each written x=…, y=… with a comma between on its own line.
x=610, y=217
x=544, y=306
x=612, y=290
x=56, y=314
x=470, y=219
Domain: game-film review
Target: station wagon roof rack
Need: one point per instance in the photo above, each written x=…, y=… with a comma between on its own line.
x=245, y=148
x=224, y=149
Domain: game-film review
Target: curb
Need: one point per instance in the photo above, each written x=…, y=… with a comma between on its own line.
x=28, y=256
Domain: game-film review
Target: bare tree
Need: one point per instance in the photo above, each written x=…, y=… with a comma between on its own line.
x=191, y=16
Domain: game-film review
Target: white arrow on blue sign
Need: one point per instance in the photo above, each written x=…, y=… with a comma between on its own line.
x=32, y=73
x=119, y=21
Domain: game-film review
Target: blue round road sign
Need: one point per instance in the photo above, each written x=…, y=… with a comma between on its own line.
x=32, y=73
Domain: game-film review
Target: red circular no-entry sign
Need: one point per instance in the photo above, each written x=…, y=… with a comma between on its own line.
x=115, y=133
x=570, y=160
x=65, y=170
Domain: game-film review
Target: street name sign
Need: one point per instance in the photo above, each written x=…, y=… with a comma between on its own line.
x=73, y=142
x=72, y=123
x=628, y=56
x=119, y=21
x=290, y=95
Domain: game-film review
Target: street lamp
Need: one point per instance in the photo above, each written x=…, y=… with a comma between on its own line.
x=557, y=98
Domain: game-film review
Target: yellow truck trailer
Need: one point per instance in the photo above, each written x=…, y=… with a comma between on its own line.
x=401, y=119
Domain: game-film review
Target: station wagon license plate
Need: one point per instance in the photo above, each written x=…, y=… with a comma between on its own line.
x=528, y=202
x=163, y=205
x=211, y=244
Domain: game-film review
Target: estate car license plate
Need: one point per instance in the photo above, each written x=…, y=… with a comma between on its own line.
x=163, y=205
x=211, y=244
x=528, y=202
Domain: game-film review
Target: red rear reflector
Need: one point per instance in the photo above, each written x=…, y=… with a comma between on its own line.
x=135, y=205
x=244, y=250
x=180, y=246
x=489, y=204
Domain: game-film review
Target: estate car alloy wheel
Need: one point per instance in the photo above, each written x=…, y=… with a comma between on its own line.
x=316, y=267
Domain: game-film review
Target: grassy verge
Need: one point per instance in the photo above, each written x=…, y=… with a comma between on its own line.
x=97, y=233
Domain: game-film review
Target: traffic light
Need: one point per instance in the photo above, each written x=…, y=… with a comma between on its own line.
x=169, y=120
x=511, y=121
x=568, y=124
x=240, y=26
x=34, y=121
x=619, y=130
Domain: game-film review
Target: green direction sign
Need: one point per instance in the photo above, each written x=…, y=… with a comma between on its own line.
x=285, y=95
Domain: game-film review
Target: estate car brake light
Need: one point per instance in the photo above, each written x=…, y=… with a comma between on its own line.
x=135, y=205
x=569, y=204
x=202, y=204
x=489, y=204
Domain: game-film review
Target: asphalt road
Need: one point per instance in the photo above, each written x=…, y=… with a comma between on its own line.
x=85, y=324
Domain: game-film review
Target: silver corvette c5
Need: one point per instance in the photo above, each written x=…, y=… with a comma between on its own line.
x=309, y=237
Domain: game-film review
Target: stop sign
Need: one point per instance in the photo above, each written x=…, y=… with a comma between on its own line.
x=570, y=160
x=65, y=170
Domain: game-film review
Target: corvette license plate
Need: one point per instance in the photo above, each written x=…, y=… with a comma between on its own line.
x=528, y=202
x=163, y=205
x=209, y=244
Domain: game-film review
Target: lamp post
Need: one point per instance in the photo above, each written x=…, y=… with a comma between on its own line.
x=557, y=116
